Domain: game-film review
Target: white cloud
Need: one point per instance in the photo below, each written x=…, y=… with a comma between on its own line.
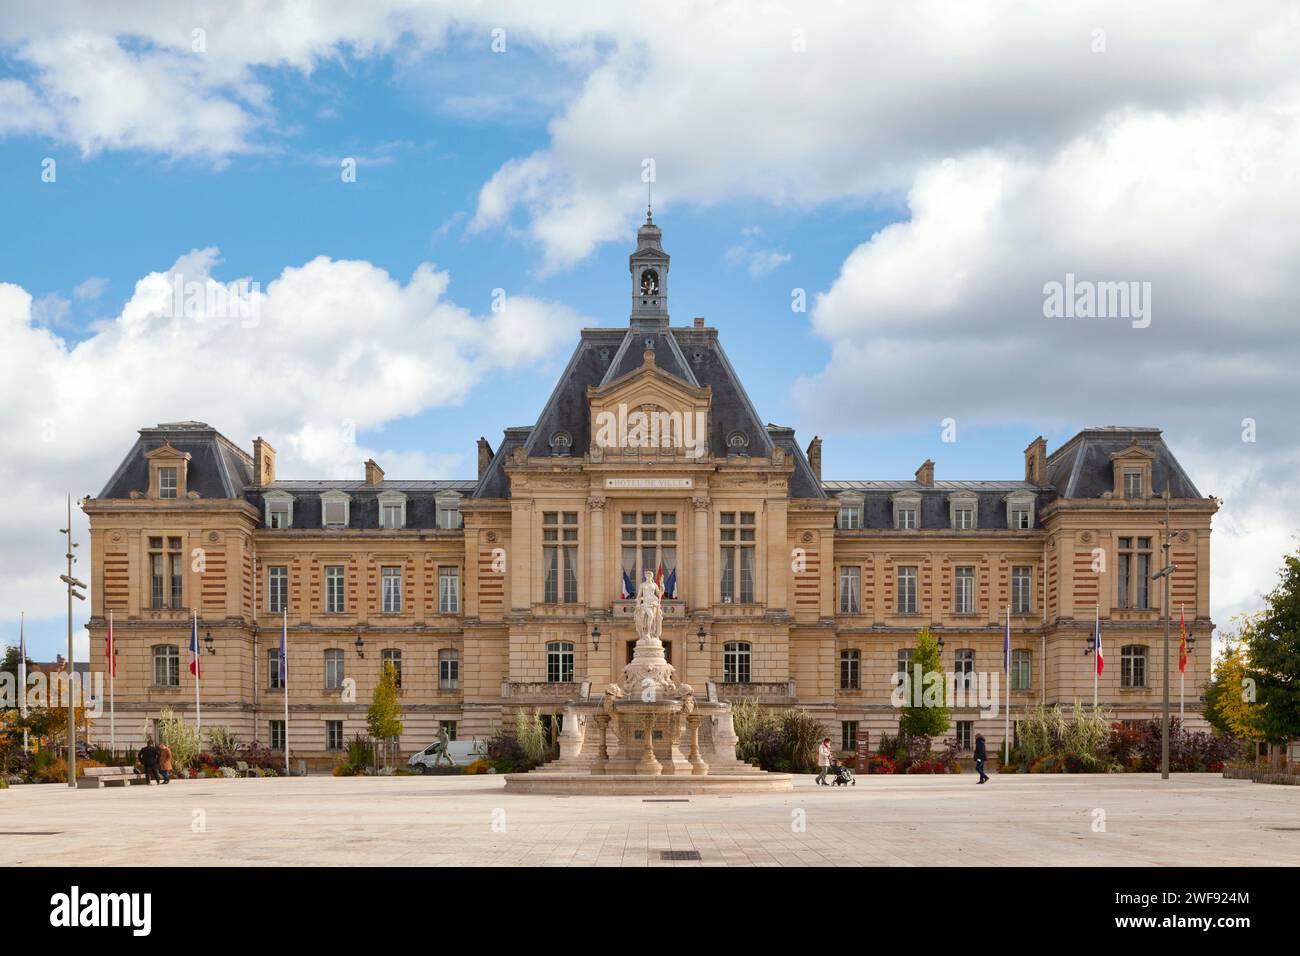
x=338, y=347
x=89, y=290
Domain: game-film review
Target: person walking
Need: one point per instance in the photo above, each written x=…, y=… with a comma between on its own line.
x=823, y=760
x=148, y=756
x=165, y=761
x=981, y=755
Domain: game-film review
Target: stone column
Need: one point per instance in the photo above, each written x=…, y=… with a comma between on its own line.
x=597, y=585
x=700, y=595
x=724, y=737
x=698, y=766
x=649, y=765
x=519, y=569
x=602, y=760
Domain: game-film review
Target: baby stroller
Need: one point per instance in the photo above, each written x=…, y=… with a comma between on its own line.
x=843, y=775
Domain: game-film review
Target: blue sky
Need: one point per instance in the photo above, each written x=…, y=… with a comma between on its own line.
x=763, y=156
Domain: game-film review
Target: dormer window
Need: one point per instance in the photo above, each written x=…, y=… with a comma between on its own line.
x=167, y=483
x=279, y=509
x=167, y=472
x=335, y=507
x=561, y=444
x=1132, y=483
x=448, y=508
x=907, y=510
x=963, y=512
x=1020, y=511
x=392, y=510
x=850, y=514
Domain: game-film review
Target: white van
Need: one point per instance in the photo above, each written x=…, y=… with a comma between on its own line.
x=462, y=753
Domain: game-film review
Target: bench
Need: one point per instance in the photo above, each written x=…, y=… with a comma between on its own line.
x=92, y=778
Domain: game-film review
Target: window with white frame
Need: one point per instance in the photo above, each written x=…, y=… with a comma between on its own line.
x=334, y=509
x=1133, y=666
x=448, y=669
x=274, y=679
x=907, y=590
x=333, y=735
x=333, y=668
x=279, y=509
x=736, y=658
x=850, y=669
x=648, y=542
x=737, y=535
x=392, y=510
x=334, y=594
x=276, y=728
x=559, y=662
x=448, y=590
x=392, y=657
x=963, y=511
x=963, y=590
x=1020, y=512
x=1022, y=669
x=391, y=589
x=965, y=734
x=1132, y=483
x=448, y=508
x=167, y=482
x=850, y=514
x=277, y=588
x=1133, y=576
x=964, y=667
x=166, y=665
x=1022, y=589
x=907, y=510
x=850, y=589
x=560, y=557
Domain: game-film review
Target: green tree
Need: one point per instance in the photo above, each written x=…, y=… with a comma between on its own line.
x=930, y=717
x=384, y=717
x=1229, y=696
x=1273, y=653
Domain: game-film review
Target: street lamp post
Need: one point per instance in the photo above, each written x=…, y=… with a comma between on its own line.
x=1166, y=572
x=73, y=584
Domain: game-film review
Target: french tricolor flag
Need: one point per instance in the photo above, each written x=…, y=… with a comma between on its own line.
x=194, y=648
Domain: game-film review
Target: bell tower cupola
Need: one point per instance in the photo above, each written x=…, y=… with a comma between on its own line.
x=649, y=268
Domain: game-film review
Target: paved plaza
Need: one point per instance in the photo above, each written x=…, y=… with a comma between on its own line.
x=1197, y=820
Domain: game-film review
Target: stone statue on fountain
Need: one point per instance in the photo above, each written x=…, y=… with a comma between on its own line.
x=649, y=614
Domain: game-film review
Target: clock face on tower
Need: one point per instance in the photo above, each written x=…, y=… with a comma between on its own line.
x=650, y=282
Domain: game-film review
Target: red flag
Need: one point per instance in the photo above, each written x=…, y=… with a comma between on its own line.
x=108, y=648
x=1101, y=660
x=659, y=576
x=1182, y=643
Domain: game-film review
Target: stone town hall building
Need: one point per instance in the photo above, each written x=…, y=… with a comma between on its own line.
x=506, y=590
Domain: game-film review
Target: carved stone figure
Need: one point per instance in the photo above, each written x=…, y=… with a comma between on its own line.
x=649, y=614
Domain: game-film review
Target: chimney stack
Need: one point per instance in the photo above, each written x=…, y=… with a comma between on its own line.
x=699, y=321
x=263, y=462
x=1036, y=461
x=815, y=457
x=374, y=474
x=484, y=457
x=925, y=474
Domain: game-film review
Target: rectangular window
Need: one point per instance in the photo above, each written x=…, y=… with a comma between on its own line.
x=167, y=666
x=736, y=662
x=850, y=669
x=965, y=734
x=448, y=515
x=448, y=669
x=333, y=735
x=1133, y=666
x=848, y=735
x=157, y=587
x=963, y=518
x=334, y=601
x=1134, y=573
x=560, y=557
x=392, y=657
x=336, y=513
x=273, y=679
x=277, y=734
x=278, y=510
x=450, y=726
x=277, y=588
x=1020, y=519
x=177, y=579
x=391, y=589
x=907, y=518
x=964, y=669
x=738, y=535
x=963, y=594
x=390, y=515
x=851, y=590
x=1132, y=484
x=1022, y=670
x=1022, y=578
x=559, y=662
x=333, y=668
x=907, y=590
x=850, y=517
x=448, y=590
x=167, y=483
x=649, y=543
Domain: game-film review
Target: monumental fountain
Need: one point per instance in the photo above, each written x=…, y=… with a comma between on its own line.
x=647, y=734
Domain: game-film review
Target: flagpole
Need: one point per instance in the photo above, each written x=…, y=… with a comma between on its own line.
x=1096, y=632
x=112, y=682
x=1182, y=652
x=1006, y=667
x=198, y=679
x=284, y=669
x=22, y=673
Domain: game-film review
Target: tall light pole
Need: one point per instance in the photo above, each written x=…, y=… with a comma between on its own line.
x=1166, y=572
x=73, y=584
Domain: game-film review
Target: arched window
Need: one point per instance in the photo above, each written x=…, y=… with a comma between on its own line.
x=166, y=665
x=559, y=662
x=448, y=669
x=333, y=668
x=1133, y=666
x=736, y=657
